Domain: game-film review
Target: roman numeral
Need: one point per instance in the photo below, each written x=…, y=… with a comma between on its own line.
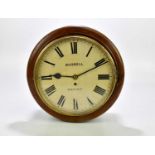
x=50, y=90
x=99, y=90
x=103, y=77
x=74, y=47
x=49, y=63
x=57, y=49
x=89, y=51
x=46, y=77
x=100, y=62
x=61, y=101
x=90, y=101
x=75, y=104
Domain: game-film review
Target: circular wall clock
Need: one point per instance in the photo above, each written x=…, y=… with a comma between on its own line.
x=75, y=73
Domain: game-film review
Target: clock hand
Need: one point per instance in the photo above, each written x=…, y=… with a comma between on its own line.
x=96, y=66
x=58, y=76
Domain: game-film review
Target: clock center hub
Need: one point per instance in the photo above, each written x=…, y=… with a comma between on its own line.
x=75, y=76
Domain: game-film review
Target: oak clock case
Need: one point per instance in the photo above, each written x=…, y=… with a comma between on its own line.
x=75, y=73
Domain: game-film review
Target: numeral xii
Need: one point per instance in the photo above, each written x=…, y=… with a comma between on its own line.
x=73, y=47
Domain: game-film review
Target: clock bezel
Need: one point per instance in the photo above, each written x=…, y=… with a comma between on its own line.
x=93, y=34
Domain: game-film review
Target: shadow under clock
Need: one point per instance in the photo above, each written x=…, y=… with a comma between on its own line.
x=43, y=125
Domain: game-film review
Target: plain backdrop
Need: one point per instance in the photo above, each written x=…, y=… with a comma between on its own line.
x=132, y=114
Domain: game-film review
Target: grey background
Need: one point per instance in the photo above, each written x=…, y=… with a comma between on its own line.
x=132, y=114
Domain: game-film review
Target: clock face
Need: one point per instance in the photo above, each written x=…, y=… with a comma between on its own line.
x=74, y=75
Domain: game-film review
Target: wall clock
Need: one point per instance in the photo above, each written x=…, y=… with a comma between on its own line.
x=75, y=73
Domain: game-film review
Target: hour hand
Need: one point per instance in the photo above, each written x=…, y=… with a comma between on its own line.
x=56, y=75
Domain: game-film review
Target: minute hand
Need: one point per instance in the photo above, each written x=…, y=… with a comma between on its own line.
x=92, y=68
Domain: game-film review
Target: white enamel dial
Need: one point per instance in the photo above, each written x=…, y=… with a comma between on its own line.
x=74, y=75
